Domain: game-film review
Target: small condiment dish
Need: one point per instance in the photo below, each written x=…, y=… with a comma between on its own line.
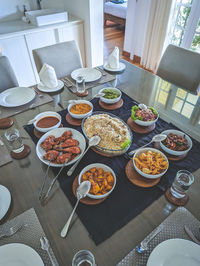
x=46, y=115
x=105, y=168
x=80, y=116
x=110, y=101
x=173, y=152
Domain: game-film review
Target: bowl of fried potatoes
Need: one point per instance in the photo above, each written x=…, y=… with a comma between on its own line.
x=150, y=163
x=102, y=179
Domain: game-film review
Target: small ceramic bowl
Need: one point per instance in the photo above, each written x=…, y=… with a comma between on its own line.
x=111, y=101
x=146, y=123
x=104, y=167
x=148, y=175
x=179, y=133
x=46, y=114
x=81, y=116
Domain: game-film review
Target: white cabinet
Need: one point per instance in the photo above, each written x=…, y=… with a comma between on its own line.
x=19, y=48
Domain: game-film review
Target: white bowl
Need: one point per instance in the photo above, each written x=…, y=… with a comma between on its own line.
x=148, y=175
x=146, y=123
x=111, y=101
x=179, y=133
x=83, y=115
x=104, y=167
x=44, y=114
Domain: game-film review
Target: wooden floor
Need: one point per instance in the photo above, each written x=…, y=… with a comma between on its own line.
x=114, y=36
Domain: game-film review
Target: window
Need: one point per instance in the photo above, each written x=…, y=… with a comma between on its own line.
x=162, y=92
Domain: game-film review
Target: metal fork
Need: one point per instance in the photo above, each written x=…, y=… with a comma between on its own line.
x=12, y=230
x=102, y=71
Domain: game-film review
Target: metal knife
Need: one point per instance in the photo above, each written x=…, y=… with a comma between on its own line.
x=191, y=235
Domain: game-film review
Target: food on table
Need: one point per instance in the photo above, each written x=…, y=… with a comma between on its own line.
x=175, y=142
x=61, y=149
x=110, y=94
x=47, y=121
x=101, y=181
x=148, y=114
x=150, y=162
x=112, y=131
x=80, y=108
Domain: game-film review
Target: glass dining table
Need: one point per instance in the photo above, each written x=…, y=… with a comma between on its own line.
x=24, y=177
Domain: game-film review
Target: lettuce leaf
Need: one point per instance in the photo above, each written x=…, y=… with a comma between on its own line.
x=133, y=111
x=126, y=143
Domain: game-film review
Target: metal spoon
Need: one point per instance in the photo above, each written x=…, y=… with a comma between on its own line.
x=93, y=141
x=98, y=95
x=45, y=246
x=81, y=192
x=156, y=138
x=142, y=106
x=31, y=121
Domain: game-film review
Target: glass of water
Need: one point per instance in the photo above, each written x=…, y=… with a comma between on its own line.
x=181, y=184
x=83, y=258
x=80, y=84
x=14, y=140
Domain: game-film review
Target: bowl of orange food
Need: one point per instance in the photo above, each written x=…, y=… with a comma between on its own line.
x=150, y=163
x=102, y=179
x=80, y=109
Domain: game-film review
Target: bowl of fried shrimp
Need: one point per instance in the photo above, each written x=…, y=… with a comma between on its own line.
x=150, y=163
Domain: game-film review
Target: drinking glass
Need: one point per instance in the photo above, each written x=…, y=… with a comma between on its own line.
x=14, y=140
x=80, y=84
x=83, y=258
x=181, y=184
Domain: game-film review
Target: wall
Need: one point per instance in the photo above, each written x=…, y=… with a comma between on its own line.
x=137, y=14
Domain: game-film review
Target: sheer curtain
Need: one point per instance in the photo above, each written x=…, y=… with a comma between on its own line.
x=156, y=30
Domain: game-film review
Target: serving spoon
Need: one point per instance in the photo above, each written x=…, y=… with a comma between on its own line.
x=81, y=192
x=142, y=106
x=93, y=141
x=98, y=95
x=156, y=138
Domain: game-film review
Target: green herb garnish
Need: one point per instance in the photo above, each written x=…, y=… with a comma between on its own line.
x=126, y=143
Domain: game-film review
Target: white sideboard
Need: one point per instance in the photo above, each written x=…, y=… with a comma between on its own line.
x=18, y=44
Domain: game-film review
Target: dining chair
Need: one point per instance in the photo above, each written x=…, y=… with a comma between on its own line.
x=63, y=57
x=7, y=75
x=180, y=67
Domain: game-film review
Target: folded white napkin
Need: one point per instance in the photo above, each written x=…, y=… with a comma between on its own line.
x=48, y=76
x=113, y=59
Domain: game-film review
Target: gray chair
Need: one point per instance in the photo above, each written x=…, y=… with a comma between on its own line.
x=63, y=57
x=7, y=76
x=180, y=67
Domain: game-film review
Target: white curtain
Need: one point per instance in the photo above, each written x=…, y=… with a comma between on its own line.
x=156, y=30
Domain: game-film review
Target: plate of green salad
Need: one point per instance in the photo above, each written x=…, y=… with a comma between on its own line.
x=111, y=95
x=144, y=116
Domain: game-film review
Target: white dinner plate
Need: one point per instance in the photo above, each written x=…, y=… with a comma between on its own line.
x=122, y=66
x=89, y=74
x=57, y=132
x=5, y=200
x=43, y=88
x=16, y=96
x=175, y=252
x=16, y=254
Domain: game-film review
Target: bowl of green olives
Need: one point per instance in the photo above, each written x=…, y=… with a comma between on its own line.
x=111, y=95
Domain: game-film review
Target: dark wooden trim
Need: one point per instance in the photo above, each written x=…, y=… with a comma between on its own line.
x=136, y=59
x=126, y=54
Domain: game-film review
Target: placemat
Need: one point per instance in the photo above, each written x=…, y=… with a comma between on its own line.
x=28, y=235
x=173, y=227
x=106, y=77
x=4, y=154
x=7, y=112
x=127, y=200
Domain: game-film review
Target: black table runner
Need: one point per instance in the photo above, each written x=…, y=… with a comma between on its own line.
x=127, y=200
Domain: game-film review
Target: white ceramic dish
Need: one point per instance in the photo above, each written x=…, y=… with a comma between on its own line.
x=16, y=96
x=104, y=167
x=177, y=132
x=89, y=74
x=43, y=88
x=147, y=175
x=17, y=254
x=45, y=114
x=175, y=252
x=111, y=101
x=5, y=200
x=57, y=132
x=83, y=115
x=146, y=123
x=122, y=66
